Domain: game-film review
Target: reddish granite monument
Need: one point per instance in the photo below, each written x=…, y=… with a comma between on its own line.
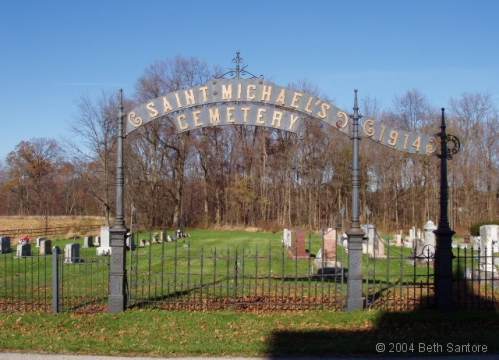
x=297, y=249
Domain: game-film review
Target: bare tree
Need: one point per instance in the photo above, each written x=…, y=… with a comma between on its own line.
x=95, y=128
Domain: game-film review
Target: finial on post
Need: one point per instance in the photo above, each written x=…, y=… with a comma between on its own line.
x=239, y=71
x=238, y=61
x=356, y=115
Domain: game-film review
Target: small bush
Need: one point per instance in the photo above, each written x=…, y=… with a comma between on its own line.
x=475, y=228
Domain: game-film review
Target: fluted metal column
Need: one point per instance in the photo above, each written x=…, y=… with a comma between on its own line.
x=355, y=234
x=117, y=233
x=443, y=251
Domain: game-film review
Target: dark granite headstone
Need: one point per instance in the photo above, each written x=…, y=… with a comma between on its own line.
x=5, y=245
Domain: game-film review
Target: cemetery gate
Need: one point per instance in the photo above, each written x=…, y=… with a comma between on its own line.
x=249, y=102
x=295, y=270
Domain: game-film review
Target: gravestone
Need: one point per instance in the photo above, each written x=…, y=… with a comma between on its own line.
x=419, y=234
x=325, y=259
x=467, y=239
x=96, y=241
x=398, y=239
x=5, y=245
x=372, y=244
x=412, y=235
x=72, y=253
x=162, y=237
x=286, y=238
x=88, y=242
x=409, y=242
x=297, y=249
x=156, y=238
x=429, y=239
x=344, y=241
x=104, y=248
x=23, y=249
x=45, y=247
x=325, y=265
x=130, y=242
x=489, y=235
x=329, y=239
x=38, y=240
x=475, y=243
x=169, y=238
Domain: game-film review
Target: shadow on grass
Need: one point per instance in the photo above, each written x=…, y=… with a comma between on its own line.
x=471, y=329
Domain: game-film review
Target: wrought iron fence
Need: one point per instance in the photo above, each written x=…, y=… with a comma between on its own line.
x=25, y=283
x=403, y=279
x=187, y=274
x=38, y=282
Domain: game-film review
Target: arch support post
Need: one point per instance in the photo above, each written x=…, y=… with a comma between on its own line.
x=355, y=300
x=443, y=250
x=118, y=232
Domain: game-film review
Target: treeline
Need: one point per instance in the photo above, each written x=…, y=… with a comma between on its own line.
x=248, y=176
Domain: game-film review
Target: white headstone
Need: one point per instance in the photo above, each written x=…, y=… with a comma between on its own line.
x=489, y=235
x=409, y=242
x=475, y=242
x=372, y=244
x=38, y=240
x=105, y=247
x=398, y=239
x=412, y=233
x=429, y=241
x=344, y=241
x=286, y=238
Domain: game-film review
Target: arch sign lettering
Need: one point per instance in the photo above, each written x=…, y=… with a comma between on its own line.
x=258, y=102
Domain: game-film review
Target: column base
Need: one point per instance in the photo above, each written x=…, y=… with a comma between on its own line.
x=355, y=300
x=117, y=272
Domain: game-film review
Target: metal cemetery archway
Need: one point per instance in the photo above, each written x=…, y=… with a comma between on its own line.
x=254, y=102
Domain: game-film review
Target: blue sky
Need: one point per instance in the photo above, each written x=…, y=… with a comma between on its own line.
x=53, y=52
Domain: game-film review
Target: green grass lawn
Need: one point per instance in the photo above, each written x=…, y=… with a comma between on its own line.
x=177, y=333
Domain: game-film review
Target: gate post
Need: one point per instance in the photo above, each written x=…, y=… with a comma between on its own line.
x=443, y=251
x=56, y=284
x=117, y=233
x=355, y=234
